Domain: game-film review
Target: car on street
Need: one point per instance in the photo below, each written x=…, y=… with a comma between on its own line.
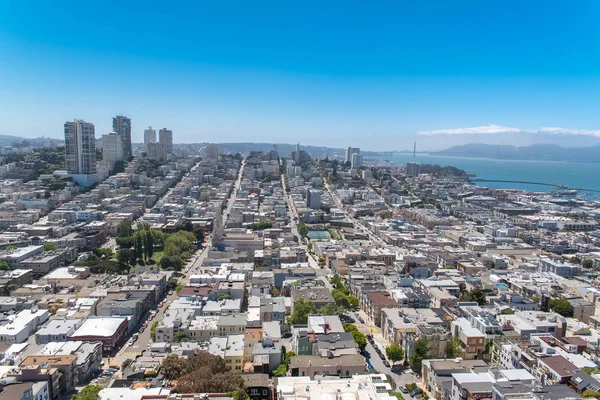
x=415, y=392
x=362, y=321
x=170, y=293
x=347, y=318
x=386, y=363
x=403, y=389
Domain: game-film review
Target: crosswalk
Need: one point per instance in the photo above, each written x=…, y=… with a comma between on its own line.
x=132, y=353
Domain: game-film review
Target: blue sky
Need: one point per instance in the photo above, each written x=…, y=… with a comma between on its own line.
x=371, y=74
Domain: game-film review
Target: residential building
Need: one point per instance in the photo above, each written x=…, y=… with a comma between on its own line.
x=313, y=199
x=350, y=152
x=165, y=137
x=149, y=135
x=357, y=160
x=110, y=331
x=122, y=126
x=112, y=147
x=80, y=147
x=57, y=330
x=413, y=169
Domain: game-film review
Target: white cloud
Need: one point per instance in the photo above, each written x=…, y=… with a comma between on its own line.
x=498, y=129
x=477, y=130
x=567, y=131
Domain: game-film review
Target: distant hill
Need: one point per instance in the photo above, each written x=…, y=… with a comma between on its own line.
x=8, y=140
x=283, y=148
x=537, y=152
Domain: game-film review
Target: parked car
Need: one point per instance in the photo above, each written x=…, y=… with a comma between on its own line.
x=287, y=335
x=362, y=321
x=403, y=389
x=386, y=363
x=416, y=392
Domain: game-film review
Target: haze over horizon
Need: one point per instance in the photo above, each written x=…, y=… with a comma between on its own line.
x=346, y=74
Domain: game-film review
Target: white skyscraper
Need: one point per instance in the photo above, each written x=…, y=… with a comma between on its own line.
x=357, y=160
x=80, y=147
x=112, y=147
x=350, y=152
x=149, y=135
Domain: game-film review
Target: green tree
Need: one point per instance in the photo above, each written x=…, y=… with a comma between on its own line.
x=124, y=256
x=453, y=347
x=179, y=336
x=178, y=289
x=174, y=263
x=587, y=263
x=107, y=254
x=174, y=367
x=394, y=353
x=124, y=229
x=301, y=310
x=507, y=311
x=353, y=302
x=172, y=284
x=126, y=242
x=224, y=296
x=10, y=247
x=153, y=330
x=588, y=393
x=149, y=244
x=90, y=392
x=359, y=338
x=280, y=371
x=328, y=309
x=475, y=294
x=4, y=265
x=49, y=246
x=562, y=307
x=421, y=352
x=138, y=247
x=302, y=229
x=288, y=358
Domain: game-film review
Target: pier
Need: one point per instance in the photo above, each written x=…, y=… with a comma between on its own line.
x=557, y=187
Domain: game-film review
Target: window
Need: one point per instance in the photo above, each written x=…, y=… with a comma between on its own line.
x=254, y=391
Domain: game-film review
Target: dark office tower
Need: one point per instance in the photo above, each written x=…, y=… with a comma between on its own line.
x=165, y=137
x=122, y=125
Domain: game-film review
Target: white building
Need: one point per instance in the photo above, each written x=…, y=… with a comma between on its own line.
x=373, y=387
x=149, y=135
x=357, y=160
x=350, y=152
x=18, y=327
x=80, y=147
x=112, y=147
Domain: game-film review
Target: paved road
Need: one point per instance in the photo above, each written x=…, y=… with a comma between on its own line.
x=357, y=223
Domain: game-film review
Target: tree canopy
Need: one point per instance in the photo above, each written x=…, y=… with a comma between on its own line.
x=301, y=310
x=359, y=338
x=562, y=307
x=394, y=353
x=421, y=352
x=90, y=392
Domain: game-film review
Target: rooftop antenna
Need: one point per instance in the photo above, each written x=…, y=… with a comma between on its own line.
x=415, y=150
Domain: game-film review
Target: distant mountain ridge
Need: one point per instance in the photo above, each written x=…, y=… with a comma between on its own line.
x=534, y=152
